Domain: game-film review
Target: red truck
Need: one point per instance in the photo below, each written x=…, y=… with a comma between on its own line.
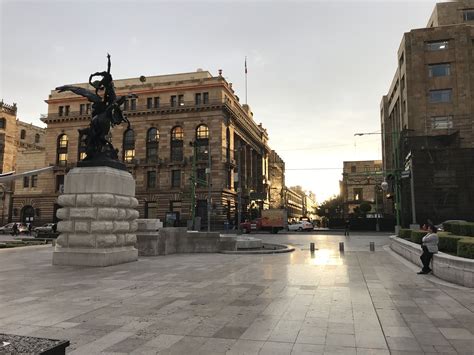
x=272, y=220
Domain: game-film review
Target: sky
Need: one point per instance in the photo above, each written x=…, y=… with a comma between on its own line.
x=317, y=70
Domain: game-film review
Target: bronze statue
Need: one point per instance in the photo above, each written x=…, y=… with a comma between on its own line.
x=106, y=113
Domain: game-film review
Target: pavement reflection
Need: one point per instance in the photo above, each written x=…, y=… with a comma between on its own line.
x=326, y=257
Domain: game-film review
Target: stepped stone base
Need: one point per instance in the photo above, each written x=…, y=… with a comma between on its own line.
x=98, y=218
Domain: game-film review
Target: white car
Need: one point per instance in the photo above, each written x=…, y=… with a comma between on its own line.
x=300, y=226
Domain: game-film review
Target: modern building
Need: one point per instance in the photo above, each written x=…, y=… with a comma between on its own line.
x=16, y=139
x=183, y=127
x=361, y=184
x=427, y=119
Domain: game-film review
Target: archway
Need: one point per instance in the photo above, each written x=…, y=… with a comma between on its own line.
x=27, y=214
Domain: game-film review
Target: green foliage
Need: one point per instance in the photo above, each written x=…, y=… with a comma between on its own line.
x=466, y=248
x=455, y=228
x=404, y=233
x=416, y=236
x=448, y=242
x=460, y=228
x=331, y=208
x=448, y=227
x=365, y=207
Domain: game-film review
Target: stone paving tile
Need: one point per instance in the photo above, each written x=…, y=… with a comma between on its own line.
x=356, y=303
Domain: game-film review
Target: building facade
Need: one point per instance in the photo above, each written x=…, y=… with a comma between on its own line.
x=427, y=119
x=361, y=184
x=16, y=138
x=276, y=168
x=185, y=128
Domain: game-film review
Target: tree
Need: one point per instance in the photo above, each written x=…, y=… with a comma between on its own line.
x=331, y=208
x=365, y=207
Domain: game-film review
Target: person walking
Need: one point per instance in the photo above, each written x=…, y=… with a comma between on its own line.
x=347, y=228
x=30, y=227
x=429, y=247
x=15, y=229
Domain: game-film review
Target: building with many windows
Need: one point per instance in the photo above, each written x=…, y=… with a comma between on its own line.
x=187, y=131
x=360, y=184
x=427, y=119
x=16, y=138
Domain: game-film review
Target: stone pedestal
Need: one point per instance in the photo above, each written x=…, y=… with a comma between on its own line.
x=98, y=218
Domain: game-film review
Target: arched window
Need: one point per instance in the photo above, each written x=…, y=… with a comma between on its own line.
x=81, y=151
x=61, y=150
x=37, y=138
x=152, y=142
x=22, y=134
x=128, y=146
x=177, y=136
x=202, y=142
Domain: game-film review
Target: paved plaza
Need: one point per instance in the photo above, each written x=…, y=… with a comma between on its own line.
x=360, y=302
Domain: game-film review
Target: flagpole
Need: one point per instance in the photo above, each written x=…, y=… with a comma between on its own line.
x=246, y=80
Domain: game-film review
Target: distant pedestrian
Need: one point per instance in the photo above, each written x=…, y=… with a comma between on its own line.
x=30, y=227
x=347, y=228
x=54, y=227
x=429, y=247
x=15, y=229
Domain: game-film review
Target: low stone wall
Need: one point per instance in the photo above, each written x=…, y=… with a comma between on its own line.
x=447, y=267
x=173, y=240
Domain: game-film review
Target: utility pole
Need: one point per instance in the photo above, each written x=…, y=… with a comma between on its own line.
x=193, y=186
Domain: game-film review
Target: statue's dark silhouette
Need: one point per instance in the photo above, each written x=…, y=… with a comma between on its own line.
x=106, y=113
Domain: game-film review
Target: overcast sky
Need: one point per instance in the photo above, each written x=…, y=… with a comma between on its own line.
x=316, y=69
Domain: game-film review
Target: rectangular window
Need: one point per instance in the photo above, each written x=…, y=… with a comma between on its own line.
x=173, y=101
x=88, y=108
x=61, y=110
x=197, y=99
x=133, y=104
x=367, y=168
x=34, y=180
x=402, y=59
x=59, y=183
x=181, y=100
x=175, y=178
x=358, y=194
x=26, y=181
x=444, y=95
x=157, y=101
x=205, y=97
x=82, y=109
x=151, y=179
x=129, y=155
x=468, y=15
x=435, y=70
x=62, y=159
x=403, y=84
x=149, y=102
x=201, y=177
x=125, y=105
x=442, y=122
x=3, y=123
x=353, y=169
x=437, y=45
x=66, y=110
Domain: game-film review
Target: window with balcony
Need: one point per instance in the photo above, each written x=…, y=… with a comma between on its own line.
x=88, y=108
x=133, y=104
x=156, y=101
x=440, y=96
x=151, y=179
x=197, y=98
x=149, y=102
x=61, y=110
x=66, y=110
x=128, y=146
x=435, y=70
x=441, y=122
x=61, y=150
x=152, y=142
x=173, y=101
x=177, y=136
x=175, y=178
x=205, y=98
x=181, y=100
x=437, y=45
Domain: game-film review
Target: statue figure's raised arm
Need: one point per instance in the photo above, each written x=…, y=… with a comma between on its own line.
x=91, y=96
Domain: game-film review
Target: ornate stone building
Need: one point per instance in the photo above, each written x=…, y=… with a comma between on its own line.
x=276, y=167
x=16, y=138
x=182, y=126
x=427, y=119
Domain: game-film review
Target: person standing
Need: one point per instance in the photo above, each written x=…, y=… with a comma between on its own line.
x=347, y=228
x=15, y=229
x=429, y=247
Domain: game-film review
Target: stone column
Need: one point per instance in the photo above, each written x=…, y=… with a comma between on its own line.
x=98, y=218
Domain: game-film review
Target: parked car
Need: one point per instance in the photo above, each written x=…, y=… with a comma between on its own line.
x=441, y=228
x=8, y=228
x=301, y=226
x=48, y=228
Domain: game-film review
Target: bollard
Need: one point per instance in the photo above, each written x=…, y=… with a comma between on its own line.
x=372, y=246
x=311, y=247
x=341, y=246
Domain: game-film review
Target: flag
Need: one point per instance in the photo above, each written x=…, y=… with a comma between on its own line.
x=245, y=65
